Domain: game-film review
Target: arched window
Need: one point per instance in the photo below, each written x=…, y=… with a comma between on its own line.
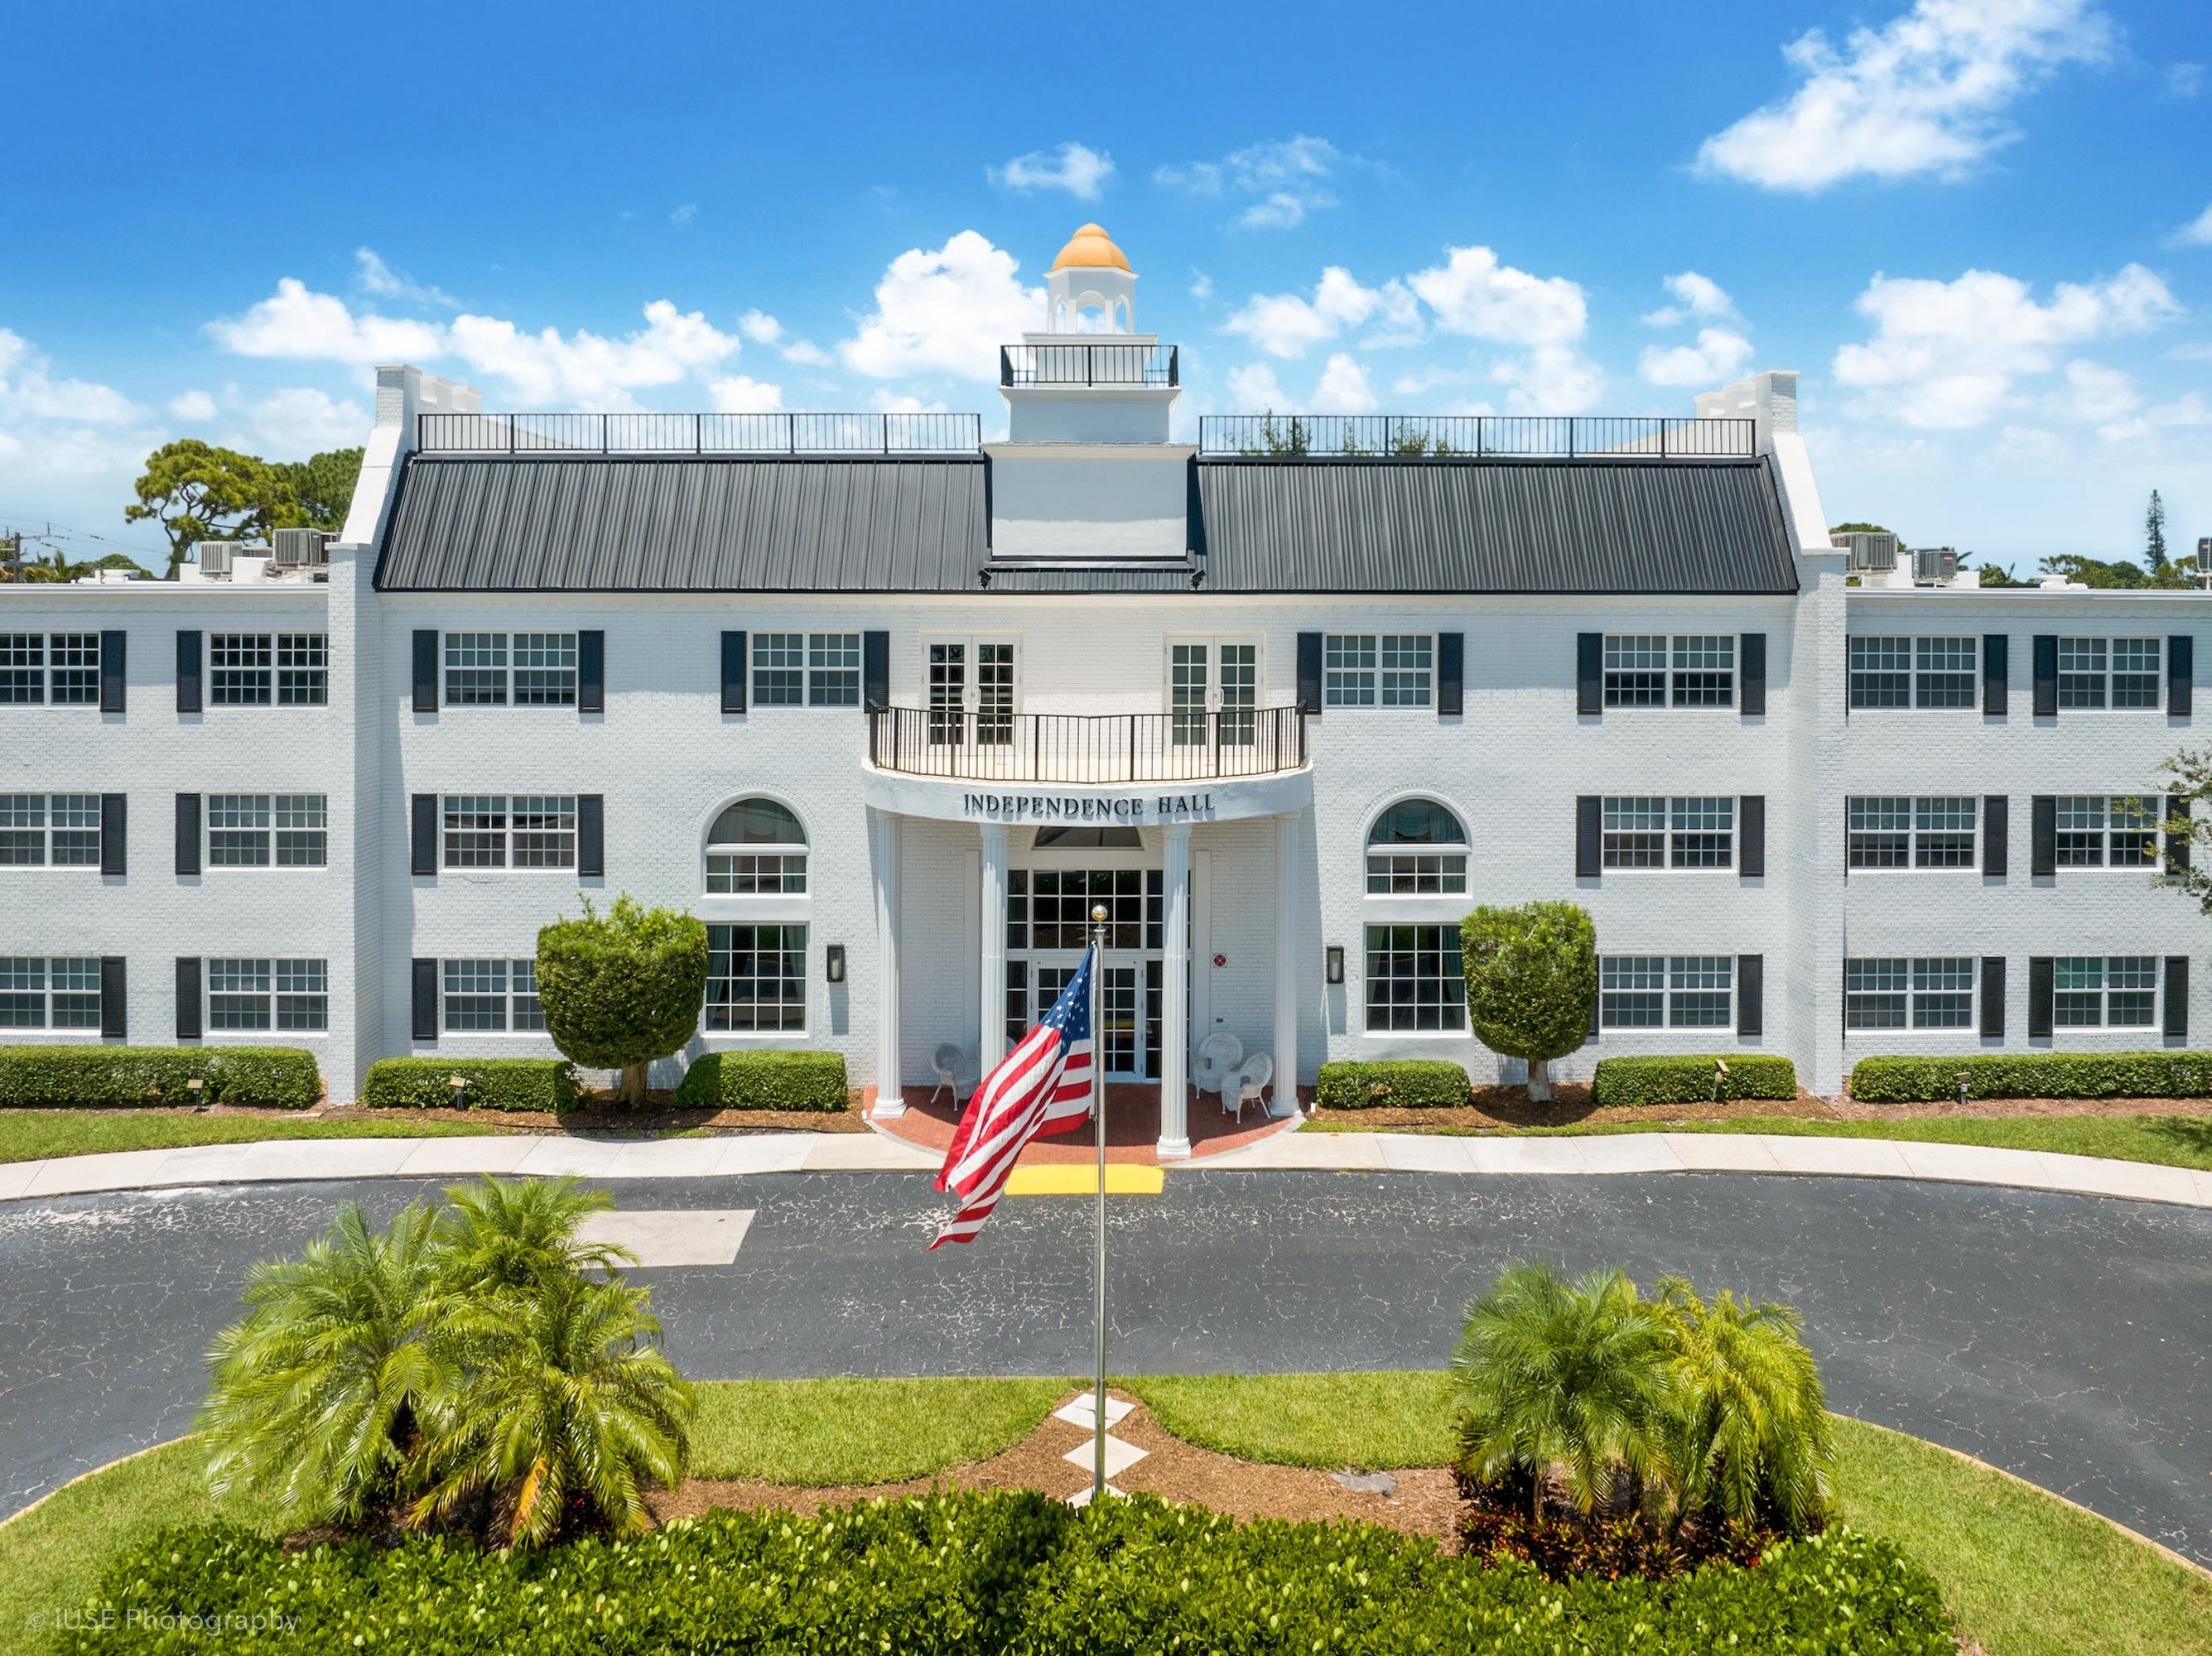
x=756, y=848
x=1416, y=848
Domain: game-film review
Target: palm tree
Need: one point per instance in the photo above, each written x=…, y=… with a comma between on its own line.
x=518, y=1234
x=319, y=1391
x=1572, y=1377
x=567, y=1403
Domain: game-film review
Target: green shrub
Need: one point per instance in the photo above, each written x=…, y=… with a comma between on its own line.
x=2034, y=1075
x=1392, y=1083
x=108, y=1078
x=764, y=1081
x=494, y=1083
x=1531, y=976
x=624, y=988
x=933, y=1574
x=1691, y=1079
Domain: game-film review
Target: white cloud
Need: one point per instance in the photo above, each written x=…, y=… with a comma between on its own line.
x=1288, y=326
x=1695, y=295
x=1201, y=285
x=1945, y=354
x=805, y=353
x=381, y=281
x=2197, y=232
x=1550, y=379
x=2184, y=79
x=1279, y=210
x=585, y=370
x=760, y=328
x=947, y=311
x=741, y=393
x=29, y=389
x=2097, y=393
x=302, y=420
x=1285, y=178
x=1253, y=387
x=684, y=212
x=51, y=425
x=1344, y=388
x=889, y=402
x=1472, y=294
x=1077, y=168
x=1719, y=355
x=296, y=323
x=191, y=405
x=1925, y=94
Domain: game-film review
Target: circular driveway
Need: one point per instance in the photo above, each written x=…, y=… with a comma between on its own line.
x=2066, y=1338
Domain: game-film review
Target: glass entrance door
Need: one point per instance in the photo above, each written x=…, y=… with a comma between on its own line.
x=1047, y=925
x=971, y=690
x=1218, y=677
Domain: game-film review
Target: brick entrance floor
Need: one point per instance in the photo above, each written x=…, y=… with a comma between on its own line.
x=1132, y=1126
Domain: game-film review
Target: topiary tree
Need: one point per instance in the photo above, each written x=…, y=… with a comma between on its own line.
x=1531, y=975
x=622, y=989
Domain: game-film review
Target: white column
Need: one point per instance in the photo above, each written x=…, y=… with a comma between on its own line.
x=890, y=1099
x=1287, y=965
x=993, y=1046
x=1175, y=983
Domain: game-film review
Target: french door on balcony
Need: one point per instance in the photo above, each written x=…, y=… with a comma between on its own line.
x=1213, y=691
x=971, y=690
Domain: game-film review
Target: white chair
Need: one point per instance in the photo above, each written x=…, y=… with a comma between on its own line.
x=1250, y=1082
x=1219, y=1057
x=953, y=1069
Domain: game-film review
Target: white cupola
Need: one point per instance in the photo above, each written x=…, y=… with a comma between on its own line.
x=1090, y=288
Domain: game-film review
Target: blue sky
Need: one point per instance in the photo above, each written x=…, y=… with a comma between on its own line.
x=1982, y=229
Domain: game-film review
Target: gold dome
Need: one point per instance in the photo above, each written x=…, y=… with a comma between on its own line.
x=1091, y=249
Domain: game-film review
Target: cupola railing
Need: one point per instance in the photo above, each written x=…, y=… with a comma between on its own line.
x=1101, y=364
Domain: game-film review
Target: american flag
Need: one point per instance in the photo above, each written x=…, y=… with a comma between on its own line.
x=1043, y=1087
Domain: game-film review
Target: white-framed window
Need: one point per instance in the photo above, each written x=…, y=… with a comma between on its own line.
x=756, y=849
x=58, y=830
x=972, y=688
x=1658, y=669
x=264, y=830
x=755, y=979
x=1378, y=669
x=490, y=997
x=1050, y=908
x=1669, y=992
x=59, y=669
x=1417, y=849
x=1414, y=979
x=2116, y=673
x=1680, y=831
x=246, y=993
x=497, y=669
x=500, y=830
x=1922, y=992
x=2108, y=991
x=261, y=670
x=2098, y=830
x=59, y=992
x=1912, y=831
x=1913, y=672
x=807, y=669
x=1213, y=690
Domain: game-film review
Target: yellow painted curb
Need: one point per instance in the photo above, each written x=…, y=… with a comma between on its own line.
x=1081, y=1178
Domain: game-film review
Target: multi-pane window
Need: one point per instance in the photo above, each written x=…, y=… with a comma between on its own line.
x=522, y=830
x=59, y=668
x=476, y=669
x=756, y=977
x=1900, y=831
x=2098, y=830
x=1673, y=991
x=268, y=994
x=2110, y=991
x=255, y=669
x=1416, y=848
x=1413, y=978
x=756, y=848
x=38, y=829
x=1050, y=908
x=544, y=670
x=491, y=996
x=1377, y=670
x=1654, y=831
x=1912, y=672
x=2119, y=672
x=259, y=830
x=811, y=670
x=41, y=993
x=528, y=670
x=1922, y=993
x=1653, y=669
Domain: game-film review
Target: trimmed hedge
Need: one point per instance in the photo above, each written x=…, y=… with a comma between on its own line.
x=2033, y=1075
x=984, y=1574
x=494, y=1083
x=110, y=1077
x=1690, y=1079
x=1391, y=1084
x=764, y=1081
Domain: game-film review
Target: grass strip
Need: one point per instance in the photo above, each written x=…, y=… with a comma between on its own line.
x=821, y=1432
x=36, y=1135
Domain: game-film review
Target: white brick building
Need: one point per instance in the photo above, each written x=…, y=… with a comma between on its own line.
x=1316, y=688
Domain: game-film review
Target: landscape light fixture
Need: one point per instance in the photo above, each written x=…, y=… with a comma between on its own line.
x=833, y=962
x=459, y=1083
x=1333, y=967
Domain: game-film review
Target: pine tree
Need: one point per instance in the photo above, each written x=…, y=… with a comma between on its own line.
x=2154, y=536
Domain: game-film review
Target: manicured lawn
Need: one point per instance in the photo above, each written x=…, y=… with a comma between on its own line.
x=862, y=1431
x=1370, y=1421
x=35, y=1135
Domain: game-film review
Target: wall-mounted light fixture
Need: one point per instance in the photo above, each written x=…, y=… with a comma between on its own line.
x=1333, y=967
x=833, y=962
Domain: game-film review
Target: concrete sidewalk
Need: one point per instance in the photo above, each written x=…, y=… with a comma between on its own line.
x=285, y=1160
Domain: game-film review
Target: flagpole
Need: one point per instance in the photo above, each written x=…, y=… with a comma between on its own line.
x=1098, y=1120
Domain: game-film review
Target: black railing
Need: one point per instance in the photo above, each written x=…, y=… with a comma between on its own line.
x=1089, y=748
x=1478, y=436
x=1090, y=365
x=698, y=434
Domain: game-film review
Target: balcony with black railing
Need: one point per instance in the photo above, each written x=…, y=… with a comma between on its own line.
x=1087, y=749
x=1107, y=363
x=1476, y=437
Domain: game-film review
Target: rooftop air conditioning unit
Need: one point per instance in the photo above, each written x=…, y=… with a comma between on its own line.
x=299, y=549
x=214, y=557
x=1934, y=566
x=1873, y=552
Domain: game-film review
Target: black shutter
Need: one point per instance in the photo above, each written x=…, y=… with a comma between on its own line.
x=875, y=670
x=114, y=1007
x=1595, y=1001
x=2042, y=854
x=426, y=670
x=592, y=672
x=110, y=672
x=114, y=840
x=2177, y=845
x=2040, y=984
x=2180, y=672
x=1751, y=994
x=1451, y=674
x=591, y=833
x=188, y=998
x=1751, y=830
x=1997, y=671
x=1754, y=650
x=1309, y=673
x=1997, y=832
x=1993, y=996
x=188, y=671
x=425, y=1025
x=1589, y=836
x=188, y=833
x=733, y=672
x=422, y=836
x=1590, y=673
x=2177, y=996
x=2046, y=675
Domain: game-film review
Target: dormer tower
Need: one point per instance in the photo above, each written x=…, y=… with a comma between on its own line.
x=1090, y=288
x=1089, y=377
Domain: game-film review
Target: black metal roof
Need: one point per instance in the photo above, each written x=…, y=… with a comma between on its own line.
x=659, y=523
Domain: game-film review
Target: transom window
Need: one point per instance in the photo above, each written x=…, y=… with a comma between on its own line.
x=57, y=829
x=258, y=830
x=755, y=979
x=2110, y=991
x=1669, y=992
x=756, y=848
x=1416, y=848
x=2097, y=830
x=1922, y=993
x=811, y=670
x=49, y=992
x=62, y=668
x=257, y=669
x=268, y=994
x=522, y=830
x=1652, y=831
x=1912, y=672
x=1895, y=831
x=2119, y=672
x=528, y=670
x=1654, y=669
x=491, y=997
x=1414, y=979
x=1050, y=908
x=1377, y=670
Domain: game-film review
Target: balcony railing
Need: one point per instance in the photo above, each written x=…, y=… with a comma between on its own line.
x=1099, y=747
x=1477, y=436
x=1090, y=365
x=698, y=434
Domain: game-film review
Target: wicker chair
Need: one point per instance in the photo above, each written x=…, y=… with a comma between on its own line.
x=953, y=1068
x=1220, y=1055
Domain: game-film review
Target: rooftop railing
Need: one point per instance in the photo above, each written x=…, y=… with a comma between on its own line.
x=699, y=433
x=1477, y=436
x=1107, y=364
x=989, y=746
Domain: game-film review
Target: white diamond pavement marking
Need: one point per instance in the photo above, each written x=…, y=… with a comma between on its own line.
x=1120, y=1456
x=1079, y=1413
x=672, y=1236
x=1082, y=1496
